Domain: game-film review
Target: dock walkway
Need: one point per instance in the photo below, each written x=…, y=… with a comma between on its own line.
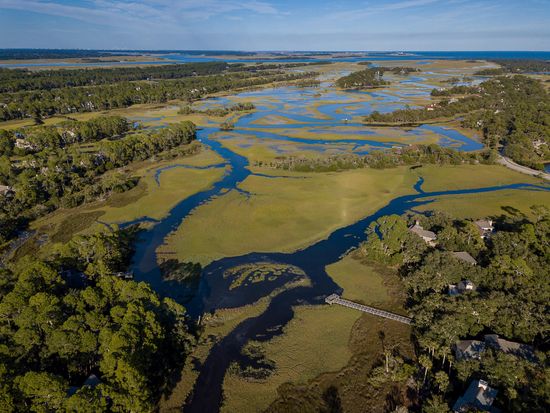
x=336, y=299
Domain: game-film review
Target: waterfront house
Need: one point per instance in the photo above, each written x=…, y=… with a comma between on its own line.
x=428, y=236
x=485, y=227
x=464, y=256
x=478, y=397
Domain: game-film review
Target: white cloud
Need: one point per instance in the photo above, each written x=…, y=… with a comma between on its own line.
x=135, y=13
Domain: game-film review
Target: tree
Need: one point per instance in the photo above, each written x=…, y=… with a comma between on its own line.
x=43, y=392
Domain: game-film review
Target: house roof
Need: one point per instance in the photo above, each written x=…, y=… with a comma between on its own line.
x=418, y=230
x=478, y=396
x=464, y=256
x=511, y=347
x=484, y=223
x=469, y=349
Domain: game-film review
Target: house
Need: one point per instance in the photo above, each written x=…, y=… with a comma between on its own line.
x=6, y=190
x=428, y=236
x=460, y=288
x=485, y=227
x=478, y=397
x=469, y=349
x=510, y=347
x=464, y=256
x=473, y=349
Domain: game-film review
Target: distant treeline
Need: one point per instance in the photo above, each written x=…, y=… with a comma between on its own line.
x=17, y=80
x=224, y=111
x=29, y=54
x=517, y=66
x=397, y=70
x=512, y=113
x=403, y=71
x=413, y=155
x=363, y=79
x=66, y=100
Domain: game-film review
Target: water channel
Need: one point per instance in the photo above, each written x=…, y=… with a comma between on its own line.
x=213, y=291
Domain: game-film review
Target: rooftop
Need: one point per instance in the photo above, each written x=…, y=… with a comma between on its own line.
x=418, y=230
x=464, y=256
x=478, y=396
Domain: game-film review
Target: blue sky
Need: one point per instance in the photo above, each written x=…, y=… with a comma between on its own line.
x=277, y=24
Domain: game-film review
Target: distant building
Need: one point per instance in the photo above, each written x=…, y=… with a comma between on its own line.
x=464, y=256
x=478, y=396
x=485, y=227
x=473, y=349
x=462, y=287
x=428, y=236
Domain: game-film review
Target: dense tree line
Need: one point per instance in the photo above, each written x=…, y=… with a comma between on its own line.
x=17, y=80
x=66, y=177
x=363, y=79
x=401, y=70
x=39, y=138
x=510, y=299
x=523, y=65
x=512, y=112
x=413, y=155
x=44, y=103
x=67, y=317
x=223, y=111
x=28, y=54
x=497, y=71
x=455, y=90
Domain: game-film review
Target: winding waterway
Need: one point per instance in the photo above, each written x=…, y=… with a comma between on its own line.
x=214, y=292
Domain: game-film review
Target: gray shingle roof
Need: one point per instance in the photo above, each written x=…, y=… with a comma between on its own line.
x=464, y=256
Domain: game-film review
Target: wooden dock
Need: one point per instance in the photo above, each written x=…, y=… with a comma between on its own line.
x=336, y=299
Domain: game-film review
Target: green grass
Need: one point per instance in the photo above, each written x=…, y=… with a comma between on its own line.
x=216, y=327
x=74, y=224
x=146, y=199
x=284, y=214
x=489, y=204
x=360, y=283
x=313, y=331
x=449, y=177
